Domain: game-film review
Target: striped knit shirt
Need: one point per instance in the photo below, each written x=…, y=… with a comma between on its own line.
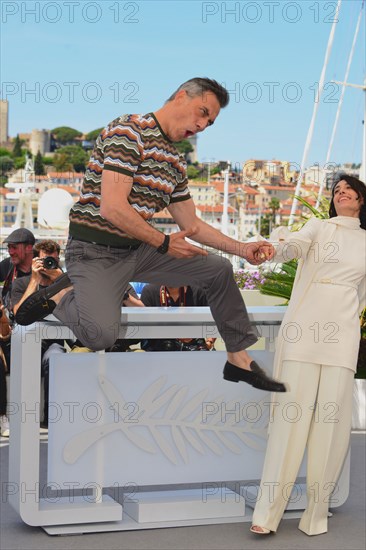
x=136, y=146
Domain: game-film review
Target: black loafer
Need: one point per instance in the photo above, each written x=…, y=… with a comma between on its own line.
x=39, y=304
x=256, y=377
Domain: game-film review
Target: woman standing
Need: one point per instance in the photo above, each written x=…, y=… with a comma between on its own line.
x=316, y=357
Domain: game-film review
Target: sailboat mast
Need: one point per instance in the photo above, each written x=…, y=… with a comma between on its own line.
x=315, y=111
x=323, y=179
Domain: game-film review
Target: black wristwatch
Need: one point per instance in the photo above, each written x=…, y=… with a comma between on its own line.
x=164, y=247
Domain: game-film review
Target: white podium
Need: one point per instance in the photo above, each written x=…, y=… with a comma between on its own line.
x=140, y=440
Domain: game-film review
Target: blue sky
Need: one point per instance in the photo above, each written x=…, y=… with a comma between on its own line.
x=82, y=63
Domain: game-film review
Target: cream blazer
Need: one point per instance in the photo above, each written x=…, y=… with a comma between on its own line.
x=321, y=323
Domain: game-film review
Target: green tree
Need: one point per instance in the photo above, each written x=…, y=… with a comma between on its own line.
x=17, y=149
x=47, y=161
x=215, y=170
x=62, y=162
x=4, y=152
x=70, y=157
x=6, y=164
x=192, y=172
x=274, y=205
x=19, y=163
x=184, y=147
x=264, y=228
x=38, y=165
x=92, y=136
x=65, y=134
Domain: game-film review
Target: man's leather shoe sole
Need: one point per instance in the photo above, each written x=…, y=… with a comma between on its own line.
x=39, y=304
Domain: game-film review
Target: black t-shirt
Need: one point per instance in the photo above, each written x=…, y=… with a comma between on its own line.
x=9, y=274
x=5, y=266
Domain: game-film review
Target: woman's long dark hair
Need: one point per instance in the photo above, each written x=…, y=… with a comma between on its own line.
x=360, y=188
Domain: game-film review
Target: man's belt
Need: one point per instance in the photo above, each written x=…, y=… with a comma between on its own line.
x=134, y=246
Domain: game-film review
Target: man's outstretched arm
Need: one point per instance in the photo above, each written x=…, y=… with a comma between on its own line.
x=184, y=213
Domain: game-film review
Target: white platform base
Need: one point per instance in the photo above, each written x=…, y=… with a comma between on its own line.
x=297, y=501
x=128, y=524
x=180, y=505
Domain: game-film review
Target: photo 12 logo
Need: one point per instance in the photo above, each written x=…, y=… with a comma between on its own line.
x=268, y=12
x=70, y=12
x=71, y=92
x=273, y=91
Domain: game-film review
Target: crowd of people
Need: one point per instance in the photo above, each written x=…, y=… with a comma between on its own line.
x=134, y=171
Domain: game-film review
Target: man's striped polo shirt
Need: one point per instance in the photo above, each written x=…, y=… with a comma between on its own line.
x=134, y=145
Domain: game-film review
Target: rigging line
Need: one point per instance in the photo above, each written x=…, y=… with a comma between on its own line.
x=356, y=127
x=340, y=103
x=315, y=110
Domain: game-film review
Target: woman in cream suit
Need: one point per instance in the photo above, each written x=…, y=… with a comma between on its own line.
x=316, y=358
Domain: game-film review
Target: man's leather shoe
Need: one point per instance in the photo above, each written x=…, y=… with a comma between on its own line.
x=39, y=304
x=256, y=377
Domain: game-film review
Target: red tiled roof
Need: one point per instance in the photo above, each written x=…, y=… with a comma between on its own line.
x=220, y=188
x=279, y=187
x=216, y=208
x=250, y=190
x=286, y=211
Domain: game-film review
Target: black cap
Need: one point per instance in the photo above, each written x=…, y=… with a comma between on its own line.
x=21, y=235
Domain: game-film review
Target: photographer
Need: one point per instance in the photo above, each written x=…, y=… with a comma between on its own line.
x=18, y=264
x=183, y=296
x=45, y=269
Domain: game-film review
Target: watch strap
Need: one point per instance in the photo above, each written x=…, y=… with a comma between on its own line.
x=163, y=248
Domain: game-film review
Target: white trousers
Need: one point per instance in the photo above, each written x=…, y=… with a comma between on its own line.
x=297, y=423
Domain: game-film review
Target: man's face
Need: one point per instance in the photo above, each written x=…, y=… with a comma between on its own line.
x=193, y=114
x=19, y=253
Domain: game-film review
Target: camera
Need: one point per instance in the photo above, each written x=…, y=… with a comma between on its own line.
x=49, y=262
x=196, y=344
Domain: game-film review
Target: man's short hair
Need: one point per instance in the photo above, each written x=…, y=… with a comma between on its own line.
x=47, y=246
x=198, y=86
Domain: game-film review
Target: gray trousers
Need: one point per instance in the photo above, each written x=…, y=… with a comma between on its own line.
x=100, y=276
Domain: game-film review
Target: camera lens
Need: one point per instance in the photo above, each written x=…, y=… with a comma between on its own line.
x=50, y=263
